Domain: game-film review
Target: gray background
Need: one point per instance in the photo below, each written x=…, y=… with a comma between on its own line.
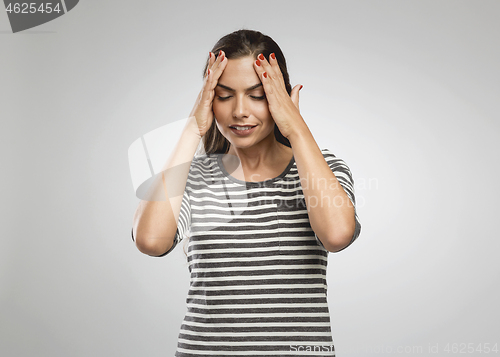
x=406, y=92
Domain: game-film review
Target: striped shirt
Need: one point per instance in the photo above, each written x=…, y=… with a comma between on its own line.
x=258, y=271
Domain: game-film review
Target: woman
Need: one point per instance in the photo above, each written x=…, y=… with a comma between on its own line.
x=263, y=207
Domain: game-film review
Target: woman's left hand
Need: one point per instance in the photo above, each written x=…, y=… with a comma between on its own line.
x=284, y=108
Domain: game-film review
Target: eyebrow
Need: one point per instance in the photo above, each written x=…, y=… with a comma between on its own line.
x=232, y=90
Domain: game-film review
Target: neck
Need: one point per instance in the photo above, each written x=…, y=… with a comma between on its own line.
x=262, y=155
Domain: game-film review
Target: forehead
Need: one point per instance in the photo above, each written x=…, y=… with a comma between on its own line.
x=239, y=73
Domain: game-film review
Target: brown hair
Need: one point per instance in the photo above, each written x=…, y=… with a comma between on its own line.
x=238, y=44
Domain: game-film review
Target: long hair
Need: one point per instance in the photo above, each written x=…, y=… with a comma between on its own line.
x=238, y=44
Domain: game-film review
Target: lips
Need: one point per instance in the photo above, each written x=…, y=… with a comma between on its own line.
x=242, y=132
x=242, y=125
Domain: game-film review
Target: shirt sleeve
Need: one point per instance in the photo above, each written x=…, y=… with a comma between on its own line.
x=344, y=176
x=183, y=224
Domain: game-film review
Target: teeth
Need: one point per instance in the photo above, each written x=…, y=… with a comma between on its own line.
x=242, y=127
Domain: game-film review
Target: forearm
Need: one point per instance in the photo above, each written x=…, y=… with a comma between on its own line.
x=331, y=213
x=155, y=220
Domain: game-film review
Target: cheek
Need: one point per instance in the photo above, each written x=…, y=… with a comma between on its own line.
x=215, y=108
x=261, y=110
x=220, y=110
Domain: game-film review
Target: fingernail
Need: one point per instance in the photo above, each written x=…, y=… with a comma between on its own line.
x=222, y=58
x=220, y=52
x=273, y=56
x=208, y=72
x=257, y=62
x=209, y=54
x=300, y=87
x=265, y=74
x=261, y=57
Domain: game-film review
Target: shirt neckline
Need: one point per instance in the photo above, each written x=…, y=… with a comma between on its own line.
x=269, y=181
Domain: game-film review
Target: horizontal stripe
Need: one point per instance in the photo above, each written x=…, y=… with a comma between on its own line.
x=256, y=249
x=281, y=328
x=278, y=276
x=265, y=258
x=258, y=324
x=266, y=315
x=255, y=334
x=253, y=296
x=265, y=300
x=275, y=307
x=182, y=352
x=207, y=344
x=237, y=340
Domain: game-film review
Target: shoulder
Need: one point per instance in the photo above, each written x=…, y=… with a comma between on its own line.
x=327, y=153
x=204, y=166
x=204, y=161
x=335, y=163
x=330, y=157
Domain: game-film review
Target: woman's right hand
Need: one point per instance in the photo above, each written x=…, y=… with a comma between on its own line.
x=202, y=109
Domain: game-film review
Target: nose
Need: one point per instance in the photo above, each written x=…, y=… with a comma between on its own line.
x=240, y=108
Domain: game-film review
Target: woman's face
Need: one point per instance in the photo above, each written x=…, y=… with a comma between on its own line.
x=240, y=100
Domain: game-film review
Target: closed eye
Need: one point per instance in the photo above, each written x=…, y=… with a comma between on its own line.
x=252, y=96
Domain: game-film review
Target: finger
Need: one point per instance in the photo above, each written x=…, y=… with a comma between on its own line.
x=206, y=91
x=275, y=65
x=266, y=67
x=273, y=71
x=263, y=76
x=203, y=92
x=221, y=56
x=265, y=73
x=219, y=65
x=215, y=61
x=210, y=80
x=211, y=60
x=294, y=95
x=257, y=65
x=216, y=71
x=209, y=71
x=277, y=70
